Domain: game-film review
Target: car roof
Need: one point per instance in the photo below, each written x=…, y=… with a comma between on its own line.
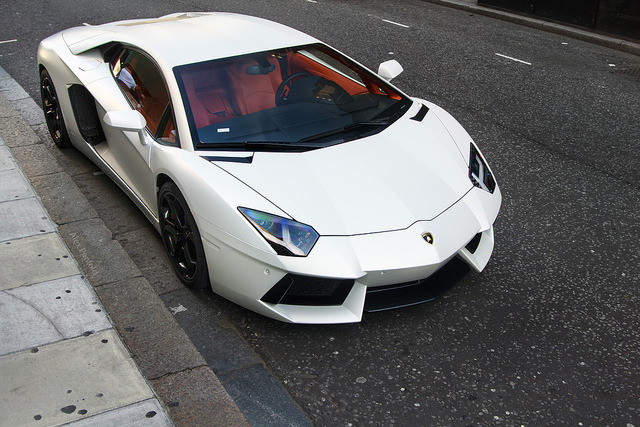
x=184, y=38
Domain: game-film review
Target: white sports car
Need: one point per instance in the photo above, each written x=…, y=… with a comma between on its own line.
x=291, y=179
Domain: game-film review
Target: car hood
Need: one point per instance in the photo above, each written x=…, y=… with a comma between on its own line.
x=409, y=172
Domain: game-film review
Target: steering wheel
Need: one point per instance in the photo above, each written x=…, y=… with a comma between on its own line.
x=281, y=97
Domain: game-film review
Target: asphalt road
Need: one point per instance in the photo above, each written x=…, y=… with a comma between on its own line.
x=549, y=332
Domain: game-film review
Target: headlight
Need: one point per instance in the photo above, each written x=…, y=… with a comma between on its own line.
x=479, y=173
x=287, y=237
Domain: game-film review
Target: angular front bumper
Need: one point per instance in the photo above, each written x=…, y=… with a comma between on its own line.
x=402, y=257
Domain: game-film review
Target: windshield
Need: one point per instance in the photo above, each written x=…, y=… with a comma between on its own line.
x=290, y=99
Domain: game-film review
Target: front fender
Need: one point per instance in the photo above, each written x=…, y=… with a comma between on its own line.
x=213, y=196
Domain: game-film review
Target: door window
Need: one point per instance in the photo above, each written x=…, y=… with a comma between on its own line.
x=144, y=87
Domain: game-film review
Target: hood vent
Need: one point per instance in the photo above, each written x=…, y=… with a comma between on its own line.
x=236, y=159
x=423, y=112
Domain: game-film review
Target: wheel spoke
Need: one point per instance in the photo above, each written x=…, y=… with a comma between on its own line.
x=50, y=95
x=176, y=213
x=166, y=215
x=190, y=260
x=170, y=236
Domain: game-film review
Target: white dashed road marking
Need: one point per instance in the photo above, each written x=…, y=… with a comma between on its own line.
x=513, y=59
x=396, y=23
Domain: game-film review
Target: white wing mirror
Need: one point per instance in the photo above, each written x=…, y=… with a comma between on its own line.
x=128, y=120
x=390, y=69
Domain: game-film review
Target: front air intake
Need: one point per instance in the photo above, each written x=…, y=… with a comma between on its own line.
x=473, y=244
x=294, y=289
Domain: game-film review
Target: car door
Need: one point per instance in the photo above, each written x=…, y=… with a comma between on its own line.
x=130, y=153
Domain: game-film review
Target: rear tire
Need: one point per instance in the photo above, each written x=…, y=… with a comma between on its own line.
x=52, y=111
x=181, y=238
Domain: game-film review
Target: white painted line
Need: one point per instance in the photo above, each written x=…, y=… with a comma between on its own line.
x=8, y=41
x=612, y=65
x=312, y=1
x=514, y=59
x=396, y=23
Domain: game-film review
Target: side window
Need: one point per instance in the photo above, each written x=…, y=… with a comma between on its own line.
x=142, y=84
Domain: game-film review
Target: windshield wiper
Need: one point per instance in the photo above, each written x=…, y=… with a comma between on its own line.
x=390, y=113
x=344, y=129
x=259, y=146
x=279, y=146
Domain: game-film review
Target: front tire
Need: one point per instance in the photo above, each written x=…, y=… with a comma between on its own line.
x=52, y=111
x=181, y=238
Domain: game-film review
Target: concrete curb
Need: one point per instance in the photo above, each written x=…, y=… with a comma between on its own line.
x=552, y=27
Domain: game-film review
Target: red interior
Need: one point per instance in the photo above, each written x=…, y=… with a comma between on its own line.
x=255, y=92
x=220, y=93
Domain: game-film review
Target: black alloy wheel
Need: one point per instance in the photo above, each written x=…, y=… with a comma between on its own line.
x=181, y=238
x=52, y=111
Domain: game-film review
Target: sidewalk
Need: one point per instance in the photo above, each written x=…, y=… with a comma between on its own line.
x=60, y=357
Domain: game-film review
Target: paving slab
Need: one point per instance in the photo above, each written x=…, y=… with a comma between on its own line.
x=14, y=185
x=261, y=398
x=36, y=160
x=143, y=414
x=145, y=248
x=158, y=344
x=57, y=309
x=62, y=198
x=74, y=161
x=11, y=90
x=101, y=258
x=16, y=132
x=6, y=108
x=69, y=380
x=122, y=217
x=22, y=218
x=34, y=259
x=34, y=328
x=43, y=133
x=196, y=397
x=6, y=160
x=100, y=190
x=31, y=111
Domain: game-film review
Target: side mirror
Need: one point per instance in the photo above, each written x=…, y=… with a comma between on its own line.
x=390, y=69
x=128, y=120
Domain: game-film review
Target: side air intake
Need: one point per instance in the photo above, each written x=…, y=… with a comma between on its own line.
x=84, y=110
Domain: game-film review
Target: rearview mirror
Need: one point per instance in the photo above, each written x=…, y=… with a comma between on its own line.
x=390, y=69
x=128, y=120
